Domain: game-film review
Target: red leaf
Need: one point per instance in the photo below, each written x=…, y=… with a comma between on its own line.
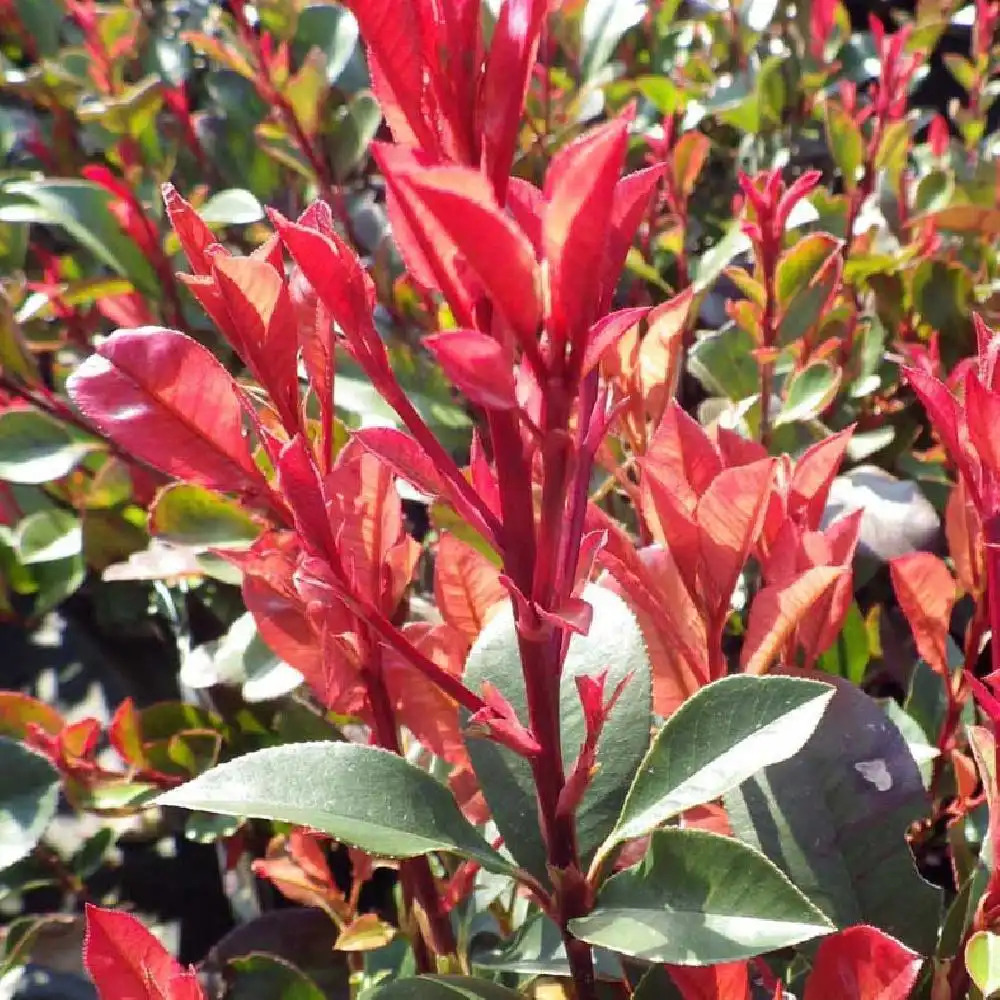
x=477, y=365
x=424, y=244
x=126, y=962
x=300, y=482
x=579, y=189
x=862, y=963
x=925, y=590
x=393, y=39
x=165, y=399
x=505, y=83
x=681, y=456
x=526, y=204
x=982, y=413
x=941, y=407
x=631, y=201
x=713, y=982
x=777, y=611
x=260, y=307
x=194, y=235
x=405, y=457
x=334, y=270
x=730, y=515
x=466, y=586
x=462, y=203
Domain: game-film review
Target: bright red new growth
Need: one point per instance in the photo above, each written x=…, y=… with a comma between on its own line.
x=126, y=962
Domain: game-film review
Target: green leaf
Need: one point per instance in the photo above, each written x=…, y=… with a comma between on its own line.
x=359, y=795
x=800, y=265
x=726, y=732
x=848, y=656
x=332, y=28
x=29, y=796
x=445, y=988
x=268, y=977
x=81, y=208
x=42, y=20
x=232, y=207
x=537, y=949
x=846, y=143
x=716, y=259
x=35, y=448
x=615, y=644
x=185, y=514
x=834, y=818
x=723, y=362
x=48, y=535
x=603, y=24
x=982, y=959
x=354, y=131
x=810, y=392
x=698, y=898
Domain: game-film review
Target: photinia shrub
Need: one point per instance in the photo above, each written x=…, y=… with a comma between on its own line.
x=532, y=493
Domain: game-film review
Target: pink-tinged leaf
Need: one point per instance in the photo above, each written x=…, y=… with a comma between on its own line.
x=660, y=351
x=258, y=303
x=125, y=734
x=777, y=611
x=735, y=449
x=925, y=590
x=982, y=414
x=456, y=80
x=604, y=335
x=714, y=982
x=461, y=202
x=477, y=365
x=405, y=457
x=688, y=158
x=579, y=189
x=163, y=398
x=505, y=83
x=126, y=962
x=730, y=516
x=820, y=628
x=526, y=204
x=672, y=522
x=964, y=532
x=681, y=456
x=814, y=474
x=862, y=963
x=467, y=586
x=195, y=237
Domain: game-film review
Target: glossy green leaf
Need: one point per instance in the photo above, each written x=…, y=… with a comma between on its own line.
x=834, y=818
x=232, y=207
x=615, y=644
x=537, y=949
x=848, y=656
x=360, y=795
x=982, y=959
x=29, y=796
x=353, y=133
x=186, y=514
x=729, y=730
x=724, y=363
x=810, y=392
x=81, y=208
x=48, y=535
x=601, y=28
x=445, y=988
x=716, y=259
x=35, y=448
x=332, y=28
x=268, y=977
x=698, y=898
x=800, y=265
